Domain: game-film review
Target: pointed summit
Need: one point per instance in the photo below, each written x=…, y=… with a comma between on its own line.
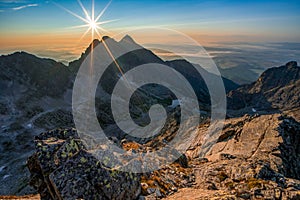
x=127, y=39
x=291, y=64
x=128, y=42
x=93, y=44
x=105, y=38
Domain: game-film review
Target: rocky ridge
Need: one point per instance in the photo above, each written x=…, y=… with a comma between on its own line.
x=276, y=90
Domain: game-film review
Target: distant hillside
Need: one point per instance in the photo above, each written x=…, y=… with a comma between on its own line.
x=276, y=89
x=46, y=75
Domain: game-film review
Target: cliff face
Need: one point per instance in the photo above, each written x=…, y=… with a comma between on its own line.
x=277, y=89
x=253, y=157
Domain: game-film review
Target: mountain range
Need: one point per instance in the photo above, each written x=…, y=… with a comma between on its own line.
x=36, y=97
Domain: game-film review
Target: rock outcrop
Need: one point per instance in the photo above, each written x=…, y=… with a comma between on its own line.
x=255, y=157
x=61, y=168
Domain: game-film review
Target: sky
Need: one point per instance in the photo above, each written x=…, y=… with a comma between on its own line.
x=46, y=28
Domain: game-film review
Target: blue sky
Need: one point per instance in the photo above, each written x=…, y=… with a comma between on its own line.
x=220, y=20
x=240, y=16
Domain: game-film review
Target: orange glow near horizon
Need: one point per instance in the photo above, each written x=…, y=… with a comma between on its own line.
x=62, y=30
x=68, y=45
x=46, y=45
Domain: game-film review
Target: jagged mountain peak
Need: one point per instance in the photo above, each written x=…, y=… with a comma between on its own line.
x=95, y=43
x=124, y=40
x=92, y=45
x=276, y=89
x=291, y=64
x=278, y=77
x=127, y=39
x=105, y=38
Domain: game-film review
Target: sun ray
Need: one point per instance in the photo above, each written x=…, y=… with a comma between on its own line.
x=72, y=13
x=84, y=34
x=103, y=30
x=79, y=26
x=117, y=65
x=93, y=10
x=92, y=23
x=103, y=11
x=84, y=10
x=110, y=53
x=107, y=21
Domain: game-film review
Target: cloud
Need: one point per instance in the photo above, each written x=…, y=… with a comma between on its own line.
x=25, y=6
x=12, y=1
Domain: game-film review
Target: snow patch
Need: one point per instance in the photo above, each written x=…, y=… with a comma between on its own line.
x=6, y=176
x=29, y=126
x=1, y=168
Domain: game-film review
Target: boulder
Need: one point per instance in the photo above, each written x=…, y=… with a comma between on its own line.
x=61, y=168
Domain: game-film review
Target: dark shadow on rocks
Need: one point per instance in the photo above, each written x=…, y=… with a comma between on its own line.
x=290, y=148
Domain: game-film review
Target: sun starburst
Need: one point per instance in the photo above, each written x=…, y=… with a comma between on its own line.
x=91, y=21
x=93, y=24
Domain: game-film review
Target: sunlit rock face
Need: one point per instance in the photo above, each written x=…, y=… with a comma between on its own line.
x=254, y=157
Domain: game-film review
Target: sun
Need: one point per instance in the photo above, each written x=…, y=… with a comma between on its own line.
x=92, y=22
x=93, y=25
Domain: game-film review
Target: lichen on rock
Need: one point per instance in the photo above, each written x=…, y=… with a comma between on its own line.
x=61, y=168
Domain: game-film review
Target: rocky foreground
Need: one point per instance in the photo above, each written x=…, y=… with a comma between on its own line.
x=255, y=157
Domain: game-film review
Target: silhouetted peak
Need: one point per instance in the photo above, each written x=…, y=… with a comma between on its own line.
x=291, y=64
x=289, y=71
x=21, y=53
x=105, y=37
x=94, y=43
x=128, y=39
